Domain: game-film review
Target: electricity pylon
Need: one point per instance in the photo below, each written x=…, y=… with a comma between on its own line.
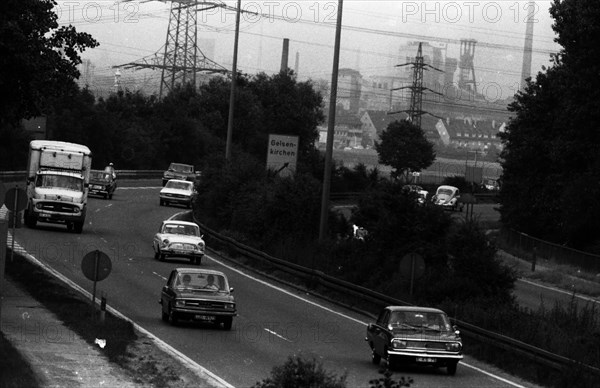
x=415, y=111
x=181, y=58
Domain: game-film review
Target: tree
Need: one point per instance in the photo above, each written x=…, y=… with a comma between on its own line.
x=550, y=160
x=38, y=59
x=299, y=372
x=403, y=146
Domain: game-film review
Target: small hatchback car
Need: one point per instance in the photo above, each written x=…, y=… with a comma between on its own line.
x=200, y=295
x=414, y=335
x=448, y=197
x=178, y=238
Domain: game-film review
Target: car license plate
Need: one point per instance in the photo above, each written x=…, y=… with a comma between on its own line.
x=426, y=359
x=44, y=215
x=204, y=317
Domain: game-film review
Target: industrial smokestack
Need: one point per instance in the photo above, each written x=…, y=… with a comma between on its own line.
x=284, y=54
x=528, y=47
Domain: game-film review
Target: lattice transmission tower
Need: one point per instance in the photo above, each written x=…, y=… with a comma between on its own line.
x=180, y=59
x=415, y=111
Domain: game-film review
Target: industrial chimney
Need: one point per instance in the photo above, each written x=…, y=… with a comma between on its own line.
x=284, y=54
x=528, y=47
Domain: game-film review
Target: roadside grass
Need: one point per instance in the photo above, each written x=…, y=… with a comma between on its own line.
x=133, y=352
x=15, y=372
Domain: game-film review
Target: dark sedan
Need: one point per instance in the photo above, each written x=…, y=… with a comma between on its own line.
x=200, y=295
x=102, y=183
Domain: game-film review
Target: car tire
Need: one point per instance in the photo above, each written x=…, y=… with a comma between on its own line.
x=70, y=226
x=392, y=363
x=105, y=196
x=156, y=255
x=78, y=227
x=227, y=323
x=375, y=358
x=110, y=196
x=171, y=317
x=161, y=203
x=161, y=257
x=30, y=219
x=451, y=368
x=165, y=316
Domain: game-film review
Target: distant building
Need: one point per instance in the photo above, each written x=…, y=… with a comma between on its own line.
x=467, y=133
x=349, y=90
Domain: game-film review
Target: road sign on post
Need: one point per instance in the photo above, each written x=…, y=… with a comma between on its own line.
x=96, y=266
x=412, y=266
x=15, y=200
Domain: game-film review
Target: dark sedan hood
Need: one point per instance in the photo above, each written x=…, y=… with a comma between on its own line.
x=428, y=335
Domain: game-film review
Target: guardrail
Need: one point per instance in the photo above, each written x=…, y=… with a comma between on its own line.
x=19, y=176
x=554, y=361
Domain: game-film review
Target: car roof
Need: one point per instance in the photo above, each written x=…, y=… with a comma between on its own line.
x=414, y=308
x=181, y=164
x=179, y=180
x=447, y=187
x=178, y=222
x=199, y=270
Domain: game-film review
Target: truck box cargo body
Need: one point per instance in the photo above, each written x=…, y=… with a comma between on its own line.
x=58, y=175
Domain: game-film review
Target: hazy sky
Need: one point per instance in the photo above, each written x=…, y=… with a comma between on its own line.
x=373, y=33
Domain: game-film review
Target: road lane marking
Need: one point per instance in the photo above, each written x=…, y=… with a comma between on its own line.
x=558, y=290
x=193, y=366
x=277, y=335
x=344, y=315
x=160, y=276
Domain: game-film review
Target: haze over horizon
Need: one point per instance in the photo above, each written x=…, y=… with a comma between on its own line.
x=372, y=37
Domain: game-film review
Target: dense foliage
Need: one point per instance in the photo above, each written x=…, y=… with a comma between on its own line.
x=404, y=147
x=38, y=59
x=300, y=372
x=551, y=163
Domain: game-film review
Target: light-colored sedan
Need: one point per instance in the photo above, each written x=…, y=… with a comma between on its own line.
x=177, y=191
x=178, y=239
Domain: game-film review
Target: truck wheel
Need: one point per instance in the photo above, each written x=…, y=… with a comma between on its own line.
x=451, y=368
x=110, y=196
x=30, y=219
x=78, y=227
x=227, y=322
x=70, y=226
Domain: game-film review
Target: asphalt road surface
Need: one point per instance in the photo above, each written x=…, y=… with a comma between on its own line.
x=273, y=323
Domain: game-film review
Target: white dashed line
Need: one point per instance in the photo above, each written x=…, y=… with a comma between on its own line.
x=277, y=335
x=160, y=276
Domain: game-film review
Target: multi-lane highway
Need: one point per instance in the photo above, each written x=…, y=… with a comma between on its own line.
x=273, y=323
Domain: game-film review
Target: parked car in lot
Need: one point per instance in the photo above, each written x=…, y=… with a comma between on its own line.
x=180, y=171
x=102, y=183
x=178, y=239
x=199, y=295
x=418, y=190
x=448, y=197
x=415, y=335
x=177, y=192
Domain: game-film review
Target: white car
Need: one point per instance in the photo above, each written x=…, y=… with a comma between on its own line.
x=177, y=191
x=178, y=239
x=448, y=197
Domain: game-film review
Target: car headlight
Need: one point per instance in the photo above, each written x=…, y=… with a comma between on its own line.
x=229, y=306
x=179, y=303
x=398, y=344
x=165, y=242
x=453, y=346
x=201, y=246
x=76, y=210
x=38, y=205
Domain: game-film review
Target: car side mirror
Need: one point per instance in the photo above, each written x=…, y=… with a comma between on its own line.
x=165, y=288
x=230, y=289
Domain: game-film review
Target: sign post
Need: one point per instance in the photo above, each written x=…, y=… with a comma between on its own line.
x=96, y=266
x=15, y=200
x=412, y=266
x=3, y=233
x=282, y=154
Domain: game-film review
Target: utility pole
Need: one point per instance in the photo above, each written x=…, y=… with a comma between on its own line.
x=415, y=111
x=233, y=83
x=331, y=125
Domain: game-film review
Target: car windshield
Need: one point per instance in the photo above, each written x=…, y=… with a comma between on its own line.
x=445, y=192
x=417, y=320
x=186, y=230
x=207, y=282
x=179, y=185
x=181, y=168
x=61, y=181
x=99, y=176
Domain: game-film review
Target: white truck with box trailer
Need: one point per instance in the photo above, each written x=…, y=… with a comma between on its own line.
x=58, y=176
